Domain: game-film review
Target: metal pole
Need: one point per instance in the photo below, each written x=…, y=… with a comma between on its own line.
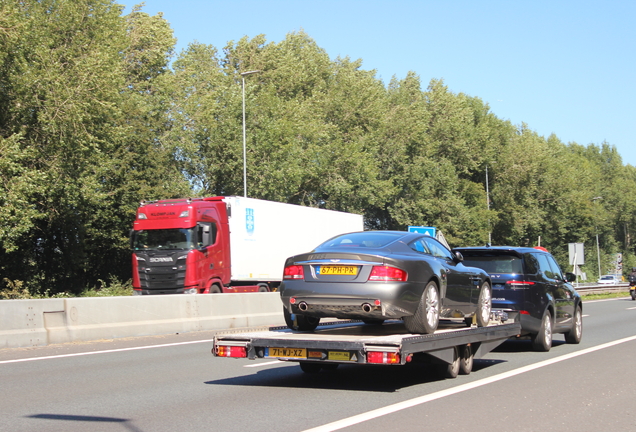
x=598, y=248
x=243, y=75
x=488, y=206
x=244, y=144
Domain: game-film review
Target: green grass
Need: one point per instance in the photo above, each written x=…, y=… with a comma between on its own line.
x=604, y=296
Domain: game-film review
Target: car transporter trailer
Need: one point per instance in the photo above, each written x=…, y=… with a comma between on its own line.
x=451, y=348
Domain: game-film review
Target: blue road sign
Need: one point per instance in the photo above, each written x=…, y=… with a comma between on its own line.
x=423, y=230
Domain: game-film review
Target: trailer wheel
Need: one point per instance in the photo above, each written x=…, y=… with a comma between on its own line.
x=466, y=360
x=373, y=321
x=484, y=304
x=310, y=367
x=451, y=370
x=300, y=322
x=263, y=288
x=426, y=317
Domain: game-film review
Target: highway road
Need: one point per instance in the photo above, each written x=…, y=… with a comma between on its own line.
x=173, y=383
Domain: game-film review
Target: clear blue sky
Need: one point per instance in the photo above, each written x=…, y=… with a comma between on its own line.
x=566, y=67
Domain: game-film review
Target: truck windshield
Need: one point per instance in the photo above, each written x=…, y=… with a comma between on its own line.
x=178, y=238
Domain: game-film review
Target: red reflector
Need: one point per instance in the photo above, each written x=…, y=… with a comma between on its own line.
x=524, y=312
x=377, y=302
x=292, y=300
x=294, y=272
x=231, y=351
x=383, y=357
x=387, y=273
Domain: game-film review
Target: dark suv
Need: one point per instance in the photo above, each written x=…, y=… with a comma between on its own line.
x=528, y=283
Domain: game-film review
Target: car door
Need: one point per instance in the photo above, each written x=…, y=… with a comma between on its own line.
x=460, y=287
x=563, y=296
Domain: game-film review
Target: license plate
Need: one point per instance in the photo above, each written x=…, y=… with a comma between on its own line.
x=338, y=270
x=339, y=356
x=286, y=352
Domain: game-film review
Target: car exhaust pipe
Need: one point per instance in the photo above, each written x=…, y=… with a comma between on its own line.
x=302, y=306
x=367, y=307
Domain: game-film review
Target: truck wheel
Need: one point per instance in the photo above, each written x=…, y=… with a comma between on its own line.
x=542, y=341
x=575, y=334
x=484, y=304
x=215, y=289
x=310, y=367
x=466, y=361
x=263, y=288
x=300, y=322
x=426, y=316
x=451, y=370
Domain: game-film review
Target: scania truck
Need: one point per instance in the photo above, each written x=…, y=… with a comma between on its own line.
x=224, y=244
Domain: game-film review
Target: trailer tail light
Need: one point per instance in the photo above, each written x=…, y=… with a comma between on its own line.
x=382, y=357
x=231, y=351
x=513, y=284
x=294, y=272
x=388, y=274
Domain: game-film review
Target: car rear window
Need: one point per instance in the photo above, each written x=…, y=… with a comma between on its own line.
x=367, y=239
x=495, y=263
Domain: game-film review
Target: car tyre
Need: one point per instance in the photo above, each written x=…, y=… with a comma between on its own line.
x=300, y=322
x=542, y=341
x=484, y=305
x=575, y=334
x=426, y=316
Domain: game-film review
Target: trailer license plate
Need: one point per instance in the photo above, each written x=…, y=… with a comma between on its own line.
x=338, y=270
x=286, y=352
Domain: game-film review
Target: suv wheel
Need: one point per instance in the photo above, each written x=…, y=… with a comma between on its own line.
x=542, y=341
x=575, y=334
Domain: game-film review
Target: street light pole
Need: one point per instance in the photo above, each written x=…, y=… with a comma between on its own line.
x=598, y=249
x=243, y=75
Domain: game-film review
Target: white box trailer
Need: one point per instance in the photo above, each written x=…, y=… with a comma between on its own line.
x=263, y=234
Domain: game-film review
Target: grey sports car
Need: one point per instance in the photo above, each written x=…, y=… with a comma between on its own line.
x=379, y=275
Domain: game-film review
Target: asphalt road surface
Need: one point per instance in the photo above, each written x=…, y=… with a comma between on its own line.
x=173, y=383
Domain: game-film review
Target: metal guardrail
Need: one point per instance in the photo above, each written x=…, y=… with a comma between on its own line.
x=595, y=288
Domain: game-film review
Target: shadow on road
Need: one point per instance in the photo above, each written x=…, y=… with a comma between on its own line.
x=367, y=378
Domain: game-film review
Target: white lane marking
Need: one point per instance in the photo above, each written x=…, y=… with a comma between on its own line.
x=464, y=387
x=631, y=308
x=104, y=351
x=585, y=316
x=265, y=364
x=604, y=300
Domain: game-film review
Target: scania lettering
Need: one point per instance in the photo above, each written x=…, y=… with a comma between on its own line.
x=224, y=244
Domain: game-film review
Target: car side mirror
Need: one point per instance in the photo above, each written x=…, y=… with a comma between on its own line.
x=458, y=256
x=570, y=277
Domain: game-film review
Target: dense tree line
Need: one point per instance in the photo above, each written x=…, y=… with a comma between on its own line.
x=97, y=113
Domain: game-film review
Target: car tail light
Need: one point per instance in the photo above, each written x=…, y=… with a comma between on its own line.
x=231, y=351
x=518, y=284
x=381, y=357
x=387, y=273
x=294, y=272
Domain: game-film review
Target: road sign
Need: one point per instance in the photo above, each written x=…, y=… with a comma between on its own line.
x=577, y=254
x=423, y=230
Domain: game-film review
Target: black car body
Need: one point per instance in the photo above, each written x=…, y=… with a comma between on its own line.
x=528, y=283
x=379, y=275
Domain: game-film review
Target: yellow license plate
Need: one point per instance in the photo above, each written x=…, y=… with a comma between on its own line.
x=338, y=270
x=286, y=352
x=339, y=355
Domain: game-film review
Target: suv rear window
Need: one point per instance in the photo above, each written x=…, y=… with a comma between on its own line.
x=495, y=263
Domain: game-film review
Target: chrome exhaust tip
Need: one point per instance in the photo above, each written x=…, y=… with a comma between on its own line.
x=302, y=306
x=367, y=307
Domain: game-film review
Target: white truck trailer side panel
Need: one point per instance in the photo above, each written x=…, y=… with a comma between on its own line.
x=263, y=234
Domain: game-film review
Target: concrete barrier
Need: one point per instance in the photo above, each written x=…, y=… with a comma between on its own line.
x=26, y=323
